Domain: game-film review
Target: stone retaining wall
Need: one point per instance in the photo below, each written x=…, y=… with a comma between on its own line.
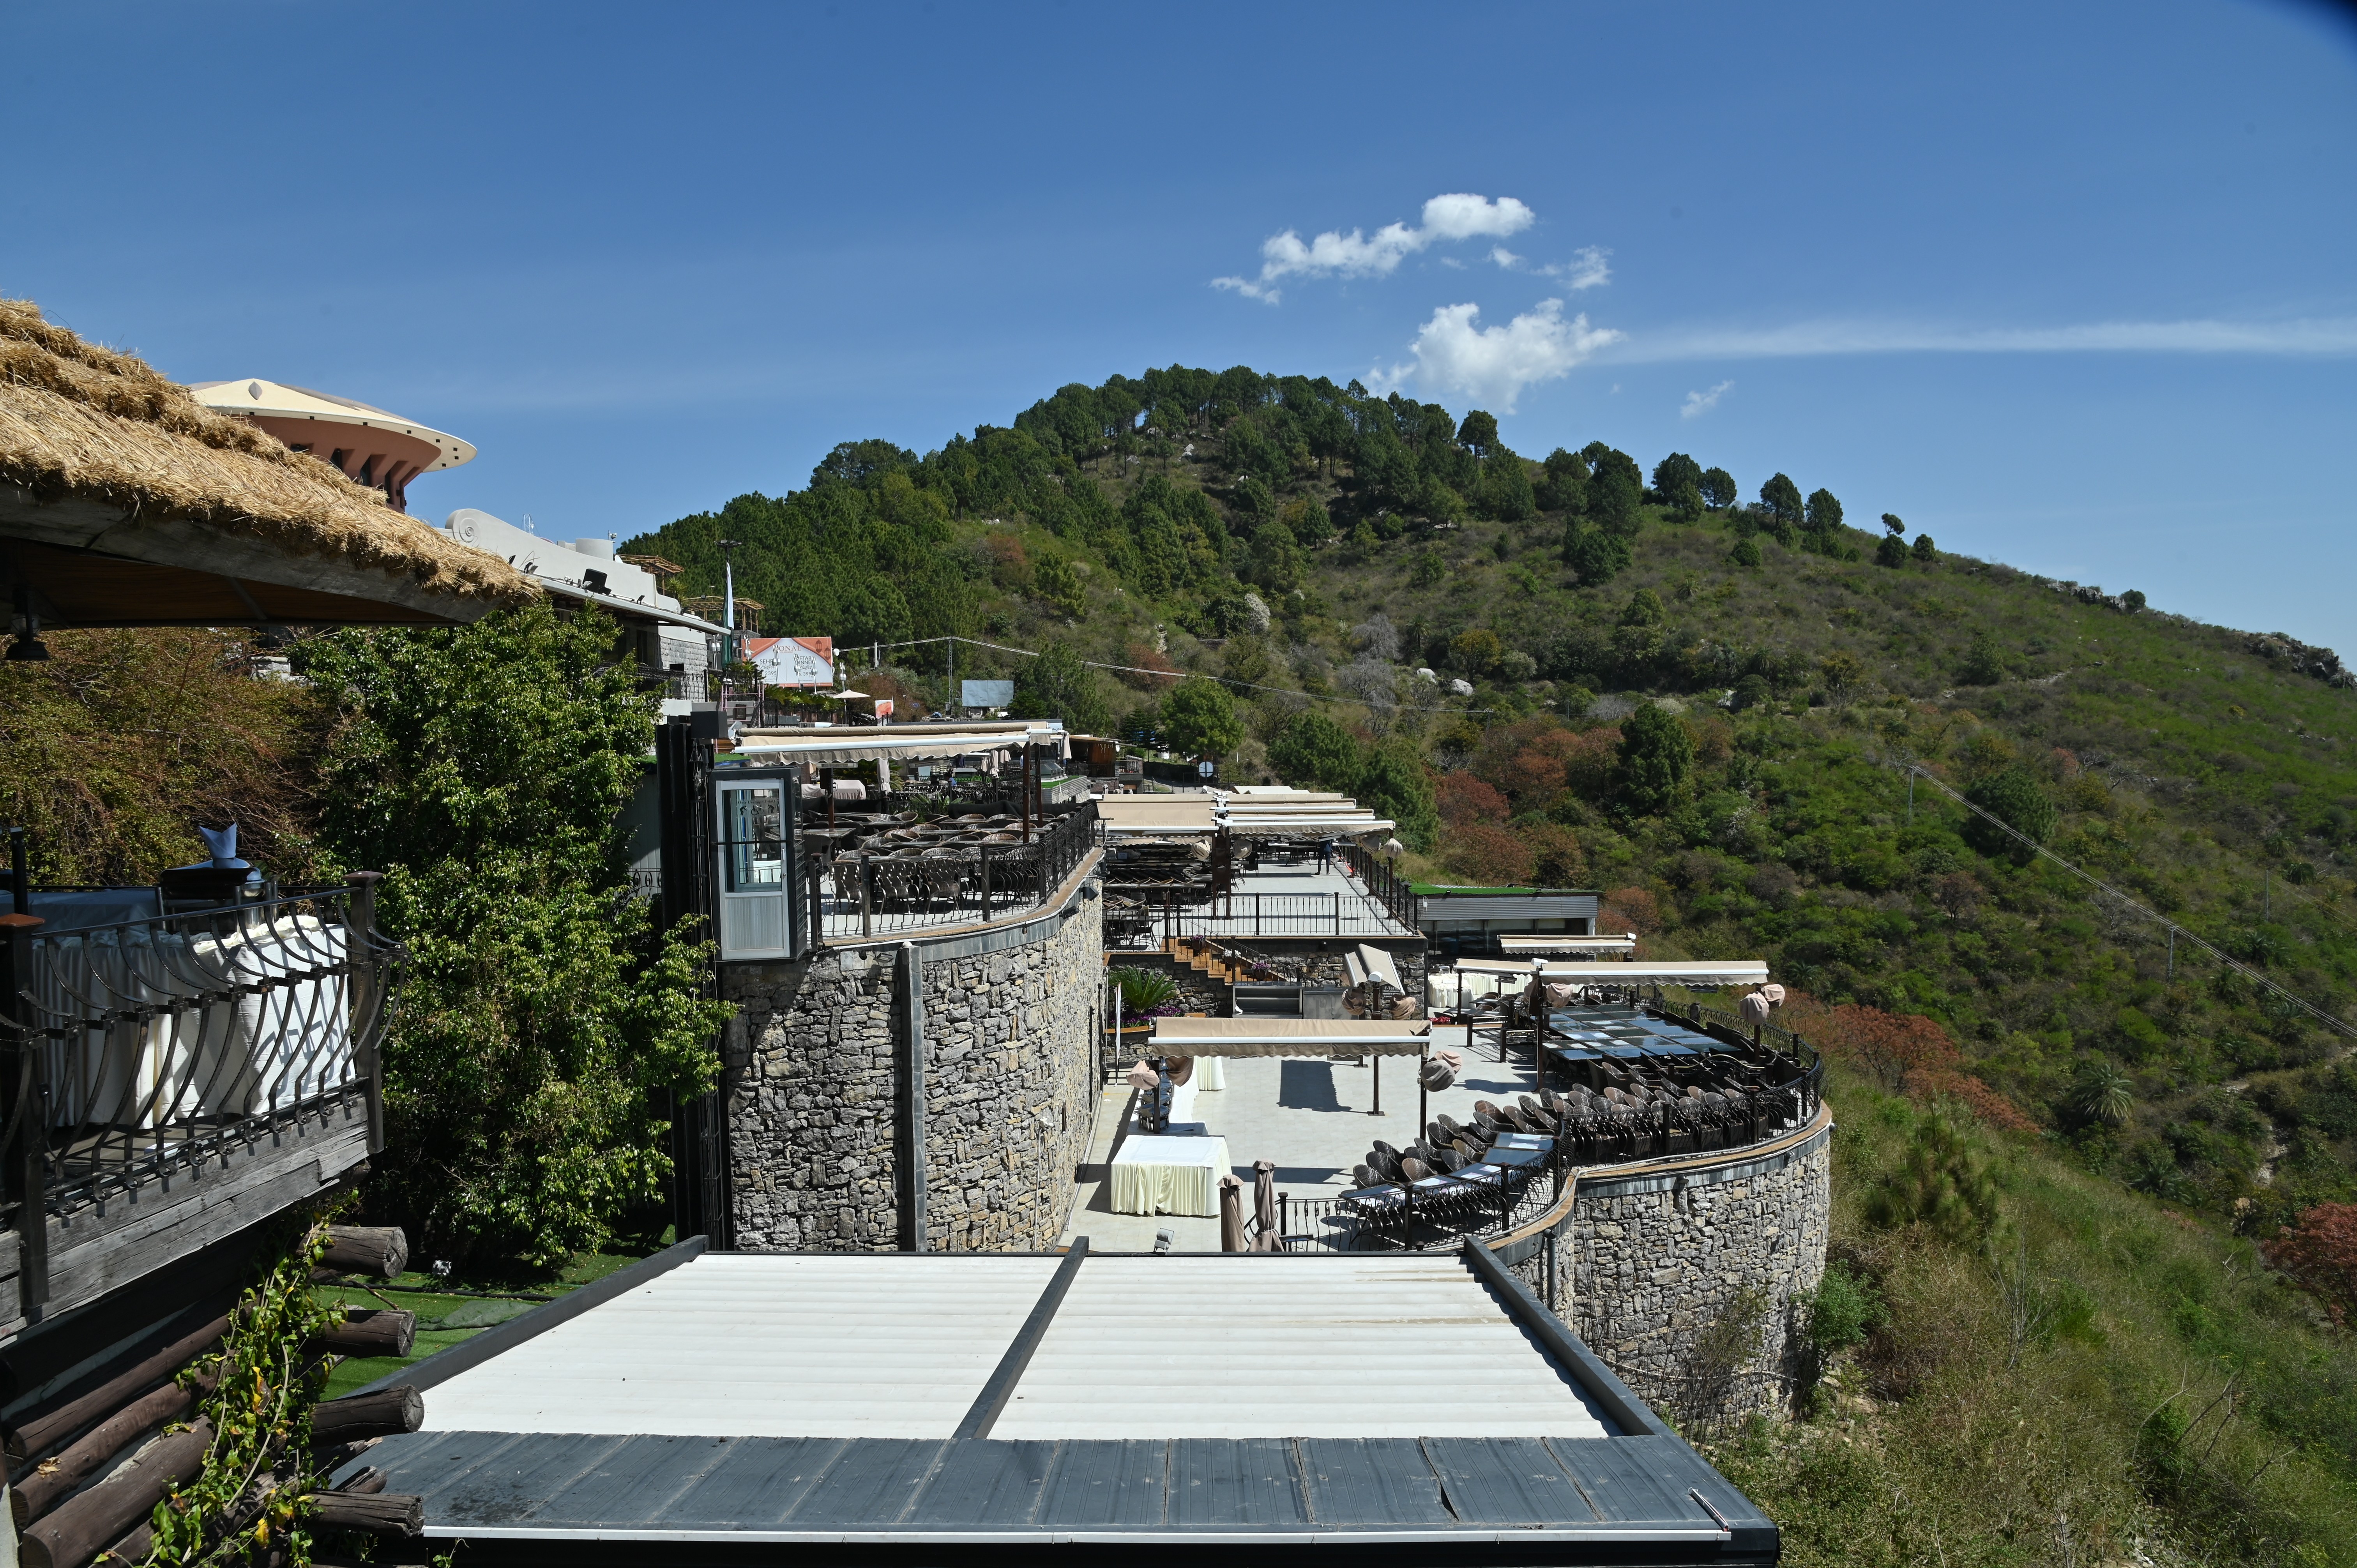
x=817, y=1099
x=1648, y=1265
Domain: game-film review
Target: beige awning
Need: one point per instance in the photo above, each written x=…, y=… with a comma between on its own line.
x=1717, y=971
x=1532, y=946
x=842, y=747
x=1155, y=814
x=1288, y=1037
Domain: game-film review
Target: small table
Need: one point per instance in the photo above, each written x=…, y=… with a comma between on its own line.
x=1167, y=1175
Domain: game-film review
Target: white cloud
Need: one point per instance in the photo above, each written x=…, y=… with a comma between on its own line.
x=1505, y=257
x=1493, y=364
x=1586, y=269
x=1698, y=404
x=2324, y=336
x=1354, y=254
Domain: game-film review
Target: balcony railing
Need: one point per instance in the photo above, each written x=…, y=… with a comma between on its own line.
x=134, y=1052
x=1384, y=886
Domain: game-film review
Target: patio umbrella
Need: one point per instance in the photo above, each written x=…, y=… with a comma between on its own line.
x=1232, y=1215
x=1264, y=1202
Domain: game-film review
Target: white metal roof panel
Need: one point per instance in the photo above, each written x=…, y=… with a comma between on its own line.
x=1235, y=1347
x=738, y=1344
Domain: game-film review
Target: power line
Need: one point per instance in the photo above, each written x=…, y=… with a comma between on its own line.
x=1915, y=770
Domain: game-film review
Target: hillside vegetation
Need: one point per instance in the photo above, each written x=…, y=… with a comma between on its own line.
x=1582, y=669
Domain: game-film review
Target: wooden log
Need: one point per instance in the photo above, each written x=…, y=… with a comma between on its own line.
x=378, y=1513
x=363, y=1482
x=379, y=1414
x=379, y=1250
x=382, y=1331
x=84, y=1525
x=68, y=1420
x=40, y=1489
x=133, y=1547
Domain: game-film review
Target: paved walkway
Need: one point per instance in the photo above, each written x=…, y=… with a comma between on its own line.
x=1310, y=1116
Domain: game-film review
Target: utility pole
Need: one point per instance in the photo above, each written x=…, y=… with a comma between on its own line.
x=728, y=601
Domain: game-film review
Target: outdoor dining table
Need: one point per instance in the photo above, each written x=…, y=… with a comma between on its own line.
x=1167, y=1175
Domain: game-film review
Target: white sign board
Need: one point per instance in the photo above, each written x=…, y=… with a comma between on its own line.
x=986, y=693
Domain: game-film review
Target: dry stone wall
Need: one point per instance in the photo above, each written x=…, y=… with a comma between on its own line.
x=816, y=1080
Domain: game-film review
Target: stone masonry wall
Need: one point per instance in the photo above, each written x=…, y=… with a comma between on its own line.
x=1654, y=1261
x=813, y=1075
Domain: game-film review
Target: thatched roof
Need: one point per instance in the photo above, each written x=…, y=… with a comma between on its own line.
x=101, y=453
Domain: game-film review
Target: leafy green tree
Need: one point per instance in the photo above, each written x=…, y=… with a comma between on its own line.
x=544, y=1022
x=1746, y=552
x=1476, y=651
x=2133, y=601
x=1656, y=754
x=2103, y=1092
x=1505, y=492
x=1984, y=661
x=1057, y=686
x=1059, y=585
x=1597, y=555
x=1923, y=550
x=1781, y=497
x=1891, y=525
x=1563, y=482
x=1199, y=718
x=1717, y=487
x=1427, y=567
x=1479, y=432
x=1824, y=512
x=1673, y=473
x=1890, y=552
x=2016, y=799
x=1614, y=493
x=1644, y=609
x=1313, y=750
x=1396, y=785
x=1685, y=504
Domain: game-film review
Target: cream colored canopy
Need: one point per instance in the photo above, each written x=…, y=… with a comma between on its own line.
x=1288, y=1037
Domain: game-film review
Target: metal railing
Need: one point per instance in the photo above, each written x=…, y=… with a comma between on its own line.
x=860, y=895
x=1279, y=915
x=132, y=1051
x=1404, y=1219
x=1384, y=886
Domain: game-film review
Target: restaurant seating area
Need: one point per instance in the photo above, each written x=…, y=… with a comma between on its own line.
x=895, y=869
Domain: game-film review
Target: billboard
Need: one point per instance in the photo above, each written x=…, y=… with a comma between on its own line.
x=792, y=660
x=986, y=693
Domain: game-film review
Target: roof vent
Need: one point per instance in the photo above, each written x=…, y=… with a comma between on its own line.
x=254, y=390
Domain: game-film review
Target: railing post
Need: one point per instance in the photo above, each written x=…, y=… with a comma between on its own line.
x=27, y=1161
x=1338, y=912
x=867, y=895
x=982, y=852
x=368, y=995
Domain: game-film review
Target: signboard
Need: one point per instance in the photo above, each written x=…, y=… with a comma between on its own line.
x=883, y=709
x=792, y=660
x=986, y=693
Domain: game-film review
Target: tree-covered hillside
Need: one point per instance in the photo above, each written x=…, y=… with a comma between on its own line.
x=1692, y=693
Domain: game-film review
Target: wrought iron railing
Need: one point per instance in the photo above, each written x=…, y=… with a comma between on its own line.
x=1384, y=886
x=132, y=1051
x=866, y=893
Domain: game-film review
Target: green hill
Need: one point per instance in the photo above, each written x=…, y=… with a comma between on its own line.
x=1703, y=704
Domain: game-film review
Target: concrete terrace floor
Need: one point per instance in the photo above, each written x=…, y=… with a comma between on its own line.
x=1309, y=1116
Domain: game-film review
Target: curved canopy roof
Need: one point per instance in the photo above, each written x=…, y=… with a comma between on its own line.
x=263, y=399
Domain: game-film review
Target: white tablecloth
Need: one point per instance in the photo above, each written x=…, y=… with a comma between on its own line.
x=1211, y=1074
x=1168, y=1176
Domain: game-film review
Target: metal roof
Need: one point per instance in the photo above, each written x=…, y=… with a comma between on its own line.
x=1290, y=1037
x=1413, y=1409
x=1344, y=1347
x=1618, y=972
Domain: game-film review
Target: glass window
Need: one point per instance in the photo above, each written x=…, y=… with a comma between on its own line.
x=755, y=821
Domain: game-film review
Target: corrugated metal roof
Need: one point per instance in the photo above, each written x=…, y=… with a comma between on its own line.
x=738, y=1344
x=1247, y=1347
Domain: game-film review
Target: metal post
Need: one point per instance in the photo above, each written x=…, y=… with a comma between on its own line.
x=27, y=1172
x=1338, y=912
x=984, y=852
x=360, y=956
x=1375, y=1060
x=867, y=895
x=912, y=985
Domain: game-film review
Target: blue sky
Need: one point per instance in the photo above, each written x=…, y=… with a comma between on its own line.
x=2069, y=287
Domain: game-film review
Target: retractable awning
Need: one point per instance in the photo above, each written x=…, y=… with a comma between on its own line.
x=1716, y=972
x=1532, y=946
x=1288, y=1036
x=840, y=748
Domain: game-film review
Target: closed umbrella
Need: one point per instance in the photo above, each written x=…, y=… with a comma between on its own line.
x=1265, y=1204
x=1232, y=1215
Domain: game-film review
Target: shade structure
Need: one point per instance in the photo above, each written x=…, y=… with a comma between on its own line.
x=1709, y=972
x=844, y=747
x=1288, y=1037
x=125, y=501
x=1532, y=946
x=1165, y=816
